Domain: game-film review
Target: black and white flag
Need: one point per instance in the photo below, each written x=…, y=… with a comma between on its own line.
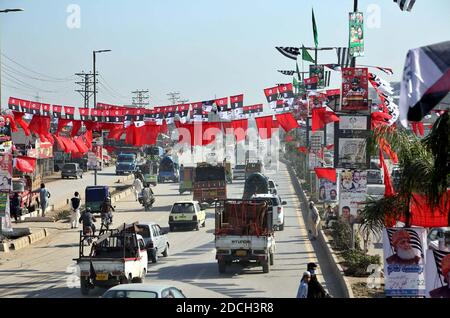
x=405, y=5
x=343, y=56
x=327, y=78
x=290, y=73
x=426, y=81
x=289, y=52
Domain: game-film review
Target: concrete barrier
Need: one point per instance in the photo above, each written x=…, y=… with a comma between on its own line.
x=24, y=241
x=37, y=236
x=41, y=219
x=338, y=272
x=4, y=247
x=20, y=243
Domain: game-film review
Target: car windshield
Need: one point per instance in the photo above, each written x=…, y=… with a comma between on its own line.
x=143, y=230
x=18, y=186
x=96, y=195
x=69, y=166
x=275, y=201
x=375, y=190
x=125, y=159
x=373, y=176
x=183, y=208
x=271, y=184
x=130, y=294
x=240, y=167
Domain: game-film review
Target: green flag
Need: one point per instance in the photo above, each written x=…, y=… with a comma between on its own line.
x=306, y=55
x=316, y=36
x=295, y=83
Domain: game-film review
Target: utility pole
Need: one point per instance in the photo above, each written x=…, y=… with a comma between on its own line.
x=183, y=101
x=174, y=97
x=141, y=98
x=86, y=84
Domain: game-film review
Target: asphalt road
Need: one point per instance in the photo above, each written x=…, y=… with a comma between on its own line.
x=46, y=269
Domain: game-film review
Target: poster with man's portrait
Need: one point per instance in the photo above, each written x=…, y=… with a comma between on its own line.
x=327, y=191
x=438, y=273
x=318, y=71
x=352, y=193
x=355, y=95
x=352, y=152
x=5, y=172
x=404, y=261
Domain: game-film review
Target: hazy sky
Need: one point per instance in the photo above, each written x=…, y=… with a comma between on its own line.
x=200, y=48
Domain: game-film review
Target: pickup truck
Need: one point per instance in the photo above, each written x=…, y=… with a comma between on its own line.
x=244, y=233
x=252, y=167
x=209, y=183
x=126, y=163
x=118, y=256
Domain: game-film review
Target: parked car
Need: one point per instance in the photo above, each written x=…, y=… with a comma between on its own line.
x=437, y=235
x=143, y=291
x=187, y=213
x=376, y=191
x=374, y=177
x=239, y=172
x=278, y=210
x=71, y=170
x=155, y=240
x=273, y=187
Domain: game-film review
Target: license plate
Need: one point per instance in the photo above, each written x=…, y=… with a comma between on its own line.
x=241, y=253
x=102, y=276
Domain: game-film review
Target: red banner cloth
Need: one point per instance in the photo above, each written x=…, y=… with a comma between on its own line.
x=389, y=189
x=76, y=125
x=240, y=128
x=61, y=144
x=62, y=123
x=116, y=132
x=25, y=164
x=18, y=118
x=265, y=126
x=422, y=215
x=326, y=173
x=40, y=125
x=151, y=133
x=81, y=146
x=287, y=121
x=321, y=116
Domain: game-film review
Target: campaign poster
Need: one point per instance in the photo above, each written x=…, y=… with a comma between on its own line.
x=327, y=191
x=404, y=261
x=318, y=71
x=352, y=151
x=5, y=217
x=438, y=272
x=316, y=101
x=5, y=172
x=352, y=193
x=356, y=30
x=355, y=88
x=5, y=134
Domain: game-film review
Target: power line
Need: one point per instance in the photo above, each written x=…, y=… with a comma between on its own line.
x=111, y=88
x=141, y=98
x=86, y=83
x=174, y=97
x=19, y=73
x=22, y=83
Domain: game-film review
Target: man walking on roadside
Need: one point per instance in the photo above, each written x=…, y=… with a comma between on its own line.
x=315, y=220
x=303, y=288
x=138, y=186
x=75, y=203
x=44, y=195
x=315, y=289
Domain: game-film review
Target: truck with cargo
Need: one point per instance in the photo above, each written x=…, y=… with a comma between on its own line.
x=209, y=183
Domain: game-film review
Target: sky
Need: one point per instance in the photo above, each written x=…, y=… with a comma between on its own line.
x=200, y=48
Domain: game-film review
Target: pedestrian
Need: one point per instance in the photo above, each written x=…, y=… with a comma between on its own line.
x=138, y=186
x=75, y=203
x=44, y=195
x=315, y=220
x=15, y=206
x=303, y=288
x=88, y=220
x=315, y=289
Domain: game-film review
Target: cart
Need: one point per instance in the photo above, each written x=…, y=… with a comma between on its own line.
x=186, y=179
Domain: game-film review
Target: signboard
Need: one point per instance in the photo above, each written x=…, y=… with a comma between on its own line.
x=309, y=135
x=317, y=71
x=327, y=191
x=356, y=31
x=350, y=139
x=355, y=89
x=404, y=261
x=5, y=130
x=437, y=272
x=92, y=162
x=352, y=193
x=5, y=172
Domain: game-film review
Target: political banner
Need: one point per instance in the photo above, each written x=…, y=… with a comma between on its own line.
x=437, y=271
x=356, y=31
x=318, y=71
x=327, y=191
x=352, y=193
x=311, y=83
x=404, y=262
x=355, y=87
x=6, y=172
x=5, y=130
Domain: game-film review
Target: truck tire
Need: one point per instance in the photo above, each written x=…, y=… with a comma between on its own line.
x=155, y=257
x=271, y=259
x=222, y=267
x=84, y=285
x=166, y=251
x=266, y=266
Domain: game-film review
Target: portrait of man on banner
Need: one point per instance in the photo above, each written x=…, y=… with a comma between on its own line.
x=355, y=89
x=356, y=38
x=5, y=129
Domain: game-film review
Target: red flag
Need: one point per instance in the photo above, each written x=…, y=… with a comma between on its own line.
x=40, y=126
x=265, y=126
x=116, y=132
x=75, y=128
x=25, y=164
x=240, y=127
x=88, y=137
x=287, y=121
x=420, y=128
x=321, y=116
x=389, y=189
x=414, y=128
x=12, y=123
x=326, y=173
x=61, y=144
x=19, y=120
x=81, y=146
x=62, y=123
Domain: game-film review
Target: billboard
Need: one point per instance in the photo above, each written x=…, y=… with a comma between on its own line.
x=404, y=261
x=355, y=89
x=327, y=191
x=352, y=193
x=6, y=172
x=317, y=71
x=356, y=31
x=438, y=272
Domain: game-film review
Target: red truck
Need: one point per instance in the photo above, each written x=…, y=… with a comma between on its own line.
x=209, y=183
x=28, y=198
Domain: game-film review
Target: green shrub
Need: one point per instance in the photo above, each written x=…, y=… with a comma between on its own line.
x=62, y=215
x=342, y=235
x=357, y=262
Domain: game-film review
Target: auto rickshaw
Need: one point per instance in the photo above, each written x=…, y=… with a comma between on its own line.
x=95, y=196
x=150, y=173
x=186, y=179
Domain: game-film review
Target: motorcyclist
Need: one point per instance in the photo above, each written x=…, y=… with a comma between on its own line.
x=87, y=219
x=147, y=197
x=106, y=209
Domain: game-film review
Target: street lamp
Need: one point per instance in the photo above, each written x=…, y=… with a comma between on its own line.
x=5, y=11
x=95, y=105
x=95, y=75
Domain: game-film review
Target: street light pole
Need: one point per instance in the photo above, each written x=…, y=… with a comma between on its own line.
x=95, y=100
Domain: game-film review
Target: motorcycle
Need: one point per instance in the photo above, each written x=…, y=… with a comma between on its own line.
x=87, y=231
x=147, y=204
x=106, y=221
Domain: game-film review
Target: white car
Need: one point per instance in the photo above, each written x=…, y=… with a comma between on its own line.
x=376, y=191
x=439, y=238
x=278, y=210
x=239, y=172
x=143, y=291
x=273, y=187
